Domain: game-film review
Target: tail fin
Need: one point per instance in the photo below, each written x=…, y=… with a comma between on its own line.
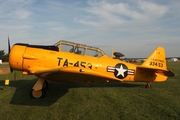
x=157, y=59
x=157, y=62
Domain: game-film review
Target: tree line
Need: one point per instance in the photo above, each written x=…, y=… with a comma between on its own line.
x=3, y=56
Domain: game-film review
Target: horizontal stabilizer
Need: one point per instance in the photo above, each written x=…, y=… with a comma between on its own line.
x=168, y=73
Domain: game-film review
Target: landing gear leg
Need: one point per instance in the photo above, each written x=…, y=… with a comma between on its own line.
x=148, y=85
x=38, y=90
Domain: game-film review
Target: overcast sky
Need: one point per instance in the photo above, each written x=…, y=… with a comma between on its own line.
x=133, y=27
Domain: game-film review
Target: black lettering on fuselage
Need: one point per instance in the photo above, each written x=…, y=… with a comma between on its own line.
x=65, y=63
x=83, y=64
x=76, y=64
x=59, y=61
x=89, y=65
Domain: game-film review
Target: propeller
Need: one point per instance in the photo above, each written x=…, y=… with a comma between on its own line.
x=9, y=49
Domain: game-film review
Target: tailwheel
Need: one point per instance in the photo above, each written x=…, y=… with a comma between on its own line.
x=37, y=94
x=148, y=85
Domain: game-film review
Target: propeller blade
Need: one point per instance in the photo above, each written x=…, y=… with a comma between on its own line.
x=11, y=69
x=9, y=49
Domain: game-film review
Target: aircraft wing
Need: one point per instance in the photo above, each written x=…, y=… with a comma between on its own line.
x=168, y=73
x=71, y=70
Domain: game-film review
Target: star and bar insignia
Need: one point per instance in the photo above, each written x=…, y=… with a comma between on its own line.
x=120, y=70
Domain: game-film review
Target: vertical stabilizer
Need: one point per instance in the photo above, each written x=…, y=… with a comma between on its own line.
x=157, y=59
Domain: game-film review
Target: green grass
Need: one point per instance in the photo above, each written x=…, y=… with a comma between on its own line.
x=122, y=101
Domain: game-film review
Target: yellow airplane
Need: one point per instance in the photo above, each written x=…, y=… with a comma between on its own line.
x=77, y=63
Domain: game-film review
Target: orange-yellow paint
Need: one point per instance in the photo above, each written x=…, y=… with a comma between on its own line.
x=67, y=66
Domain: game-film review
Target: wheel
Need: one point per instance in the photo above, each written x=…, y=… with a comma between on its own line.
x=148, y=85
x=37, y=94
x=45, y=86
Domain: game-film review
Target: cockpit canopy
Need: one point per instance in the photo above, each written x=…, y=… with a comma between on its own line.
x=80, y=49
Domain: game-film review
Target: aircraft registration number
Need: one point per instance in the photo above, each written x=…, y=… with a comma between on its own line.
x=157, y=64
x=76, y=64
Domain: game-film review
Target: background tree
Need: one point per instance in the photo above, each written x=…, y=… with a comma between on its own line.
x=3, y=56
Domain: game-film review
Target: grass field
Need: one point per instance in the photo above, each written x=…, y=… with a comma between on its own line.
x=122, y=101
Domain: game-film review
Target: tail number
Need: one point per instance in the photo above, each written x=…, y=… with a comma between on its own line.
x=157, y=64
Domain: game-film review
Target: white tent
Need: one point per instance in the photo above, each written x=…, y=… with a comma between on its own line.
x=174, y=59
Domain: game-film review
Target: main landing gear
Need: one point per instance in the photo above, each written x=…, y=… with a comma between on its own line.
x=38, y=90
x=148, y=85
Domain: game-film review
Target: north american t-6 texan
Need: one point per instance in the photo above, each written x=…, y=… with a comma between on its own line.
x=71, y=62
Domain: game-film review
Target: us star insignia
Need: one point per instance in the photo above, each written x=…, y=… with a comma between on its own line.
x=120, y=70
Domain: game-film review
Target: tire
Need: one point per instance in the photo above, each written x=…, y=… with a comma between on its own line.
x=37, y=94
